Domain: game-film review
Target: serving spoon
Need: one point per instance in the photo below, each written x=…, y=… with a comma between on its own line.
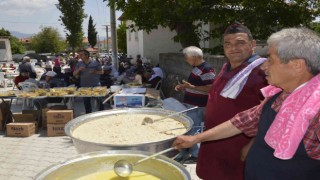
x=148, y=120
x=180, y=128
x=123, y=168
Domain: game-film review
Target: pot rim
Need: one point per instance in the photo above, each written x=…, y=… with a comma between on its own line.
x=98, y=154
x=71, y=125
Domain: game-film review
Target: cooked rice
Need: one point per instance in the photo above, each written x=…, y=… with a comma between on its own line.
x=124, y=129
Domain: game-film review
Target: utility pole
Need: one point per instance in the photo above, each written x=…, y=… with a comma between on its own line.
x=114, y=35
x=107, y=33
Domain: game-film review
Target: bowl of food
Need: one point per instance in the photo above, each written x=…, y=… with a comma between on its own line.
x=122, y=129
x=99, y=165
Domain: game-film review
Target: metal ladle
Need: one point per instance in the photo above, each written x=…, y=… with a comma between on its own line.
x=123, y=168
x=148, y=120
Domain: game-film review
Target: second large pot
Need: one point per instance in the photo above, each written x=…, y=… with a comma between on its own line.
x=86, y=146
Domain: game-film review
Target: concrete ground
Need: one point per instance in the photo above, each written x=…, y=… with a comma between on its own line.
x=23, y=158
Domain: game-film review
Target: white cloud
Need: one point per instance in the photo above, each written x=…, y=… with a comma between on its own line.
x=26, y=7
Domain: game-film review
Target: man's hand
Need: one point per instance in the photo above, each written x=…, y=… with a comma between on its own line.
x=179, y=87
x=183, y=86
x=183, y=142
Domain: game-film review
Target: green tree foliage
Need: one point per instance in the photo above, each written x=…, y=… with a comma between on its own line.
x=16, y=46
x=48, y=40
x=186, y=17
x=72, y=18
x=122, y=37
x=92, y=33
x=315, y=26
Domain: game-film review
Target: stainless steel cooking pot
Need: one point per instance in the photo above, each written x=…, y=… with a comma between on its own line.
x=89, y=163
x=86, y=146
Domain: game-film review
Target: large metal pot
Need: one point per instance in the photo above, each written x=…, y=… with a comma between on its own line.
x=85, y=146
x=85, y=164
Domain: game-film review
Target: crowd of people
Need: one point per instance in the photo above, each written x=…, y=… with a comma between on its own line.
x=86, y=71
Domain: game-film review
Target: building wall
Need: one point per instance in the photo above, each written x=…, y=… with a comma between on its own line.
x=5, y=50
x=175, y=68
x=133, y=45
x=150, y=45
x=159, y=41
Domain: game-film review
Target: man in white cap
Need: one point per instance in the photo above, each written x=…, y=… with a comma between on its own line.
x=52, y=81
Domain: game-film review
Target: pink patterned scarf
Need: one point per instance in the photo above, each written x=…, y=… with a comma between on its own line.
x=292, y=120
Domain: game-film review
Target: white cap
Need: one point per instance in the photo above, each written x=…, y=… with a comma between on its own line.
x=51, y=74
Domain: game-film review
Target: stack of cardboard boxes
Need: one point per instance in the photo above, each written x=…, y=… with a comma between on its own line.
x=56, y=120
x=26, y=123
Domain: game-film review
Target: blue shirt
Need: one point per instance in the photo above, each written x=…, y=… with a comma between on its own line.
x=86, y=78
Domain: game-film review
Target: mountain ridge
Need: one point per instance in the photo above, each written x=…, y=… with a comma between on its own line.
x=20, y=34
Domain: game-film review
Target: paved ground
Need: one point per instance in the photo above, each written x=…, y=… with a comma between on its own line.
x=23, y=158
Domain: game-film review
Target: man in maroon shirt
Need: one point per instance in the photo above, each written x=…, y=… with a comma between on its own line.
x=293, y=67
x=221, y=159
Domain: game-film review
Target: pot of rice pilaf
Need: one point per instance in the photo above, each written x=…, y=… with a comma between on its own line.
x=122, y=129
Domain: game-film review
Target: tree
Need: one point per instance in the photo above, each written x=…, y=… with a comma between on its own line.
x=122, y=37
x=48, y=40
x=16, y=46
x=72, y=17
x=186, y=17
x=92, y=33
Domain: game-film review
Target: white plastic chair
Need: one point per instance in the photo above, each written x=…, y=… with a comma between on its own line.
x=3, y=81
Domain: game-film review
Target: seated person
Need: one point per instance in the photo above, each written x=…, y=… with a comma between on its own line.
x=129, y=75
x=47, y=68
x=114, y=73
x=59, y=75
x=68, y=76
x=156, y=76
x=139, y=78
x=32, y=79
x=106, y=78
x=23, y=75
x=12, y=67
x=52, y=81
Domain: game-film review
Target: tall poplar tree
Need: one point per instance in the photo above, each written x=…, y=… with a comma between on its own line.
x=72, y=18
x=92, y=33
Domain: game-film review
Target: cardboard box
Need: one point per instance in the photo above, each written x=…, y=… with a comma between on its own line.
x=25, y=118
x=20, y=129
x=36, y=113
x=59, y=116
x=129, y=100
x=17, y=117
x=55, y=130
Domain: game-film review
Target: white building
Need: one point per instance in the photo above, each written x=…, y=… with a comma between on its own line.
x=5, y=49
x=150, y=45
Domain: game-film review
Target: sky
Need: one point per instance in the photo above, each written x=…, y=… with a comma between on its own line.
x=28, y=16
